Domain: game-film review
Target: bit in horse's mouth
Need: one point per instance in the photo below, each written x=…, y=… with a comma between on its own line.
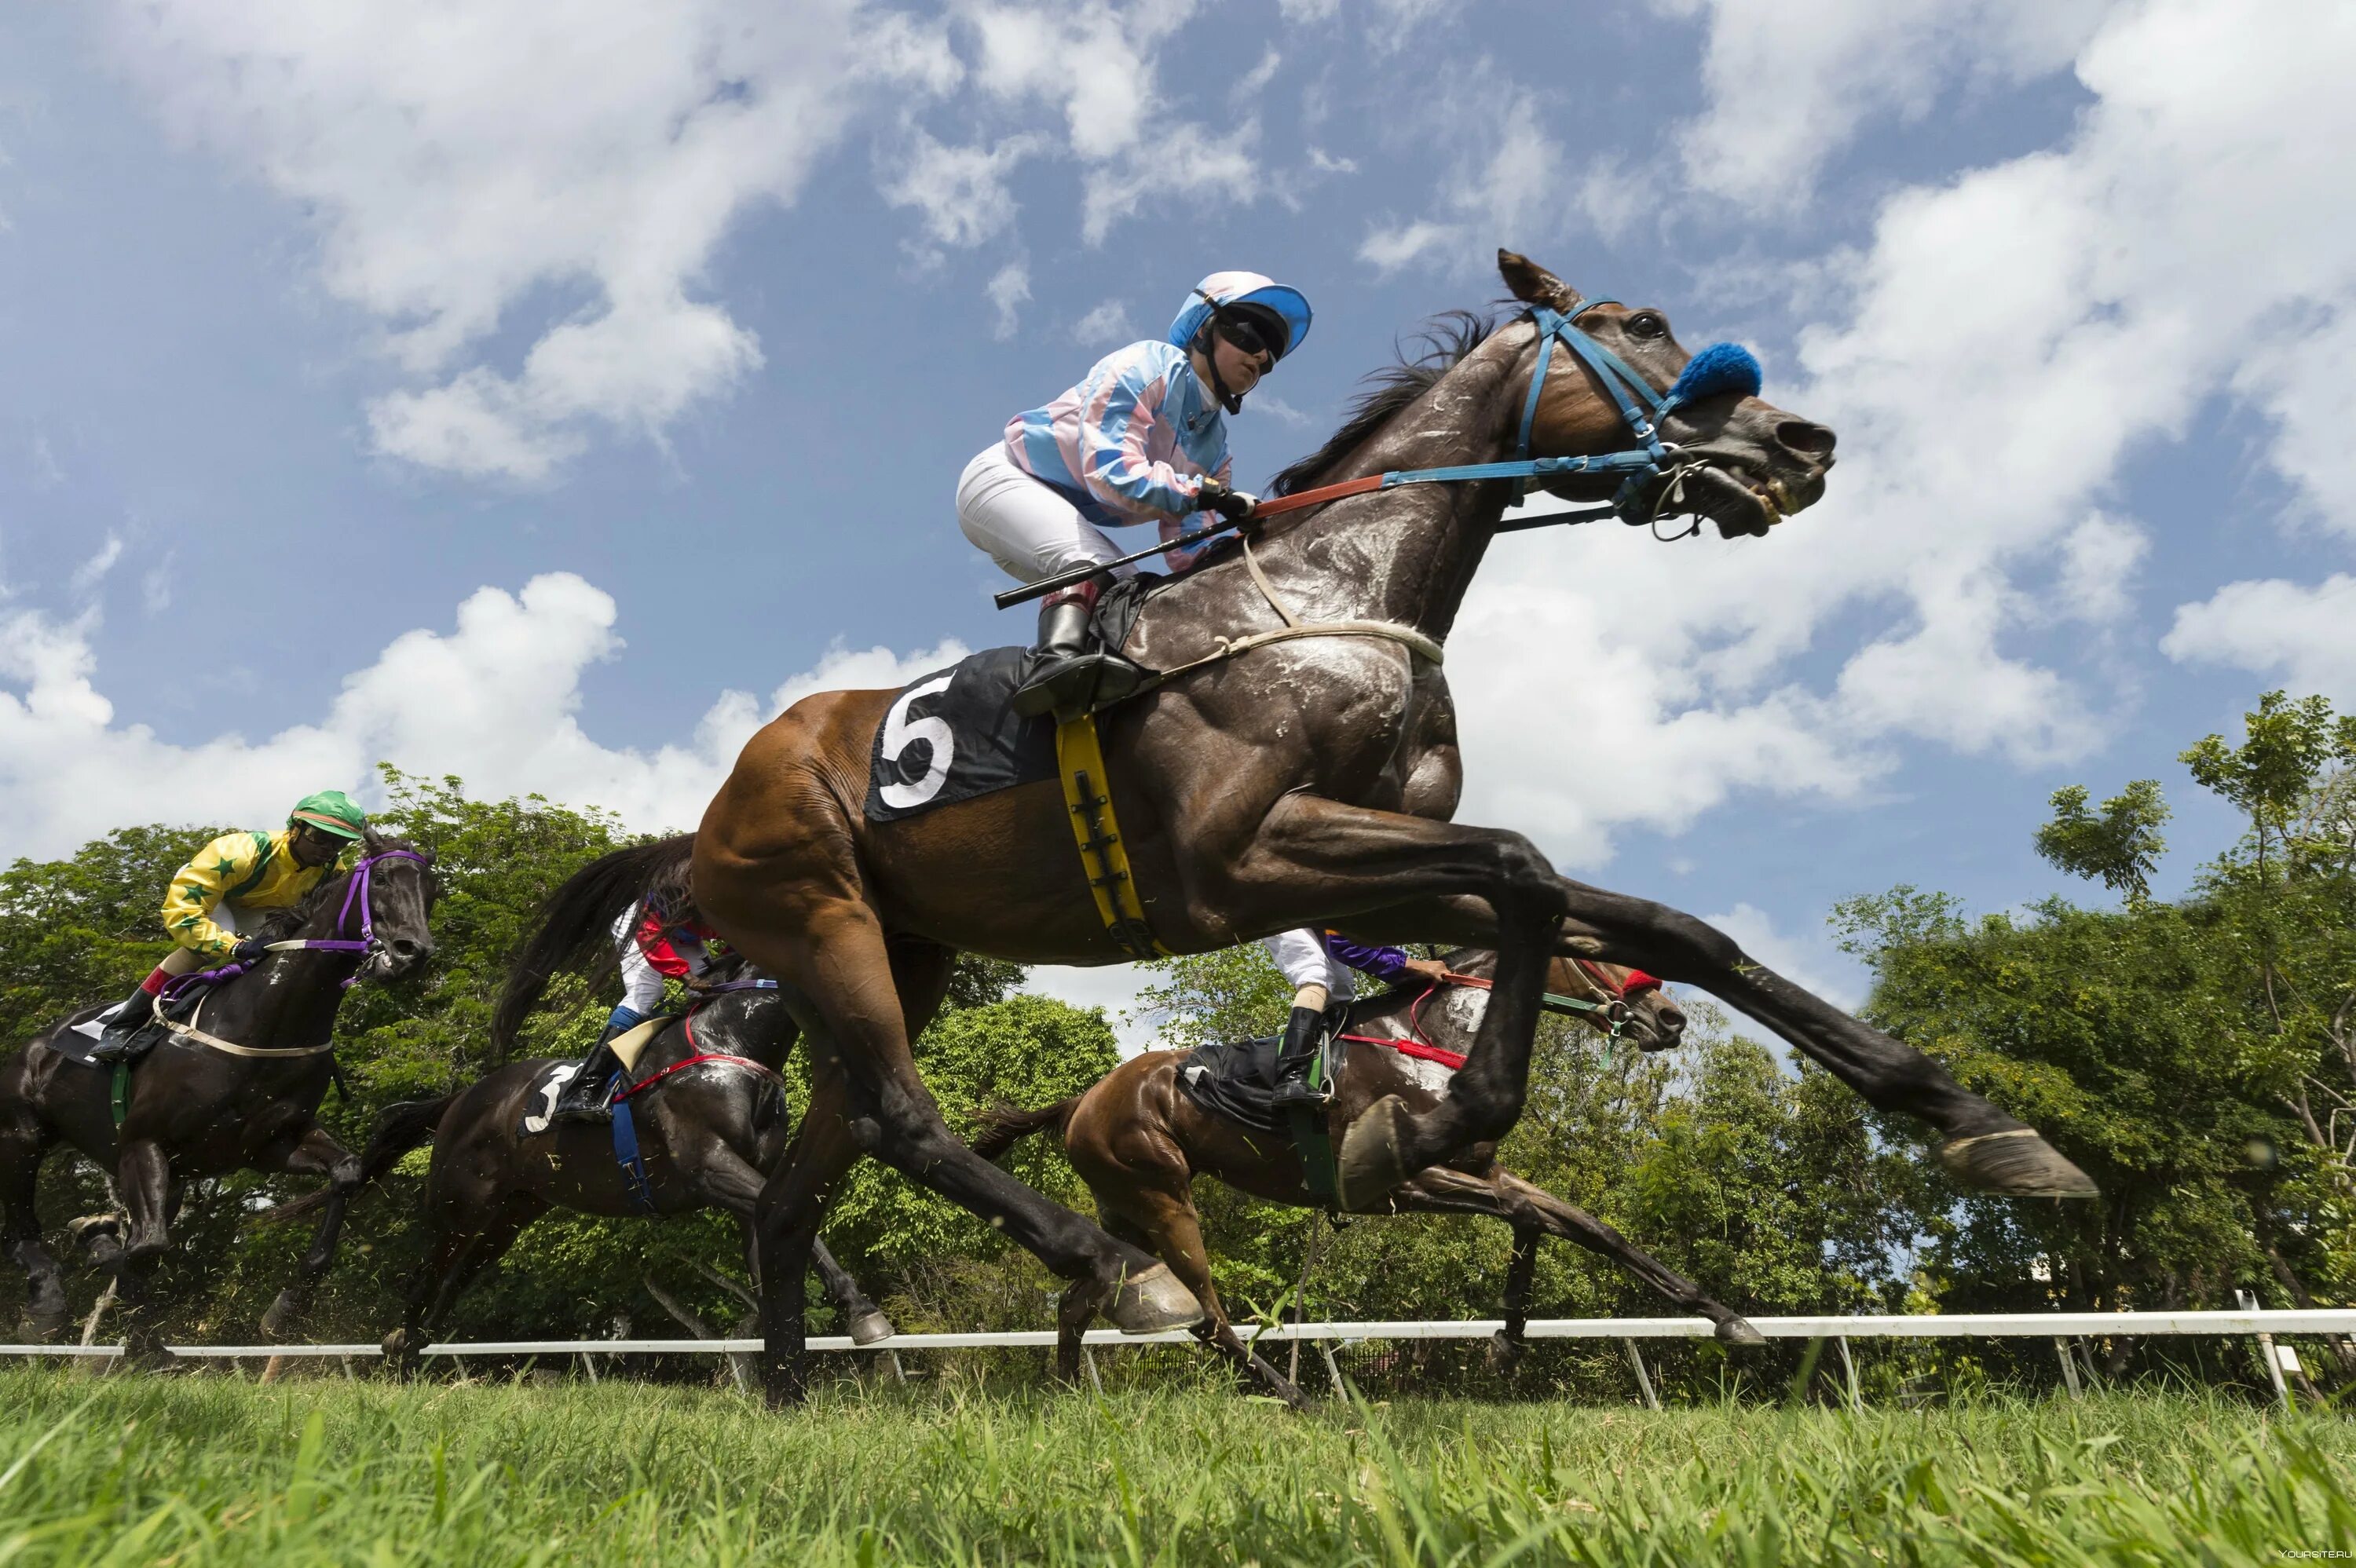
x=1737, y=504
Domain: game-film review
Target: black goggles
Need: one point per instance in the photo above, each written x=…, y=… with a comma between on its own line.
x=1245, y=336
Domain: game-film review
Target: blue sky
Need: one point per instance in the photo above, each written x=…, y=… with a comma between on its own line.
x=547, y=394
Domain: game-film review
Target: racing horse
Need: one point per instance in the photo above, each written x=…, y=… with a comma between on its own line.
x=1139, y=1140
x=1297, y=763
x=237, y=1086
x=707, y=1110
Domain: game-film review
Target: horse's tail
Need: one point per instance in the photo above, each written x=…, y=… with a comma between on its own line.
x=1003, y=1127
x=399, y=1128
x=576, y=925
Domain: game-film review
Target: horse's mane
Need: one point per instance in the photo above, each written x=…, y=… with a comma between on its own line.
x=1446, y=338
x=281, y=925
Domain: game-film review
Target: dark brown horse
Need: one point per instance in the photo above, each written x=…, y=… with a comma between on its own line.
x=710, y=1131
x=1139, y=1140
x=195, y=1110
x=1308, y=780
x=709, y=1135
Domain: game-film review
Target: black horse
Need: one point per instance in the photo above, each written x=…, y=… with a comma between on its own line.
x=237, y=1088
x=708, y=1112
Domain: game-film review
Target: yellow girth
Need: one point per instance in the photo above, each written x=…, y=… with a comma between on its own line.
x=1080, y=759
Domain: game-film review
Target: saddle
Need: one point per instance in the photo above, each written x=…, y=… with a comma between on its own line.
x=76, y=1042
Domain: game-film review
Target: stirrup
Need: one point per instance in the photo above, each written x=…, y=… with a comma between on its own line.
x=1073, y=684
x=1291, y=1092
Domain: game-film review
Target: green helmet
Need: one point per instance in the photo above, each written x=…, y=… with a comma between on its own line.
x=330, y=811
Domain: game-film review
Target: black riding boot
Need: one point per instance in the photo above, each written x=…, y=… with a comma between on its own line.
x=129, y=1019
x=587, y=1096
x=1303, y=1033
x=1065, y=678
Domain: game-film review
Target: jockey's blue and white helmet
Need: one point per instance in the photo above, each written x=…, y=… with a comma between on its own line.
x=1287, y=306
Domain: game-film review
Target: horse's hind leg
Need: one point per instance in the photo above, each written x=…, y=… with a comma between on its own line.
x=1165, y=1222
x=314, y=1154
x=1502, y=1195
x=1317, y=860
x=22, y=1145
x=143, y=1180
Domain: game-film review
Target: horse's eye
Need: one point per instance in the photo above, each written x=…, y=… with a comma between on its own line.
x=1648, y=324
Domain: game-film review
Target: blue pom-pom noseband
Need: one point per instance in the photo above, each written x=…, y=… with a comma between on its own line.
x=1720, y=367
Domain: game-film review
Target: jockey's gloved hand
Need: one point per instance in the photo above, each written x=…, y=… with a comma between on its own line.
x=1233, y=505
x=253, y=950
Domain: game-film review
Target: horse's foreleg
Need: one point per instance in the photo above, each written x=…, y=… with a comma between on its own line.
x=865, y=990
x=314, y=1154
x=22, y=1145
x=728, y=1181
x=1502, y=1195
x=1316, y=861
x=465, y=1248
x=785, y=1222
x=860, y=1317
x=1985, y=1147
x=1519, y=1276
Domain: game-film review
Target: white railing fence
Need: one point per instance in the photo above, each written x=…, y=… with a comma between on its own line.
x=2059, y=1327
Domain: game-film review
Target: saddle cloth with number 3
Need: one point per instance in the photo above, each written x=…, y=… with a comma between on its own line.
x=951, y=737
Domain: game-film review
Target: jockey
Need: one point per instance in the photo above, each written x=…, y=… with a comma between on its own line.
x=213, y=897
x=1140, y=440
x=1318, y=963
x=654, y=949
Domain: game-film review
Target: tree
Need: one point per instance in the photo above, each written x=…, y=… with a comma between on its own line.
x=2119, y=847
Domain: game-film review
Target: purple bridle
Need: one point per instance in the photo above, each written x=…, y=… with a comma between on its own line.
x=359, y=887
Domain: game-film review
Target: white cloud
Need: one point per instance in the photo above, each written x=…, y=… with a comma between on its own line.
x=2304, y=636
x=1112, y=986
x=961, y=191
x=2099, y=559
x=1009, y=289
x=494, y=701
x=1107, y=326
x=1790, y=84
x=1503, y=185
x=462, y=163
x=1095, y=64
x=92, y=572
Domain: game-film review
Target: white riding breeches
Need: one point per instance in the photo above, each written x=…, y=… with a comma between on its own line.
x=1024, y=524
x=1303, y=960
x=642, y=982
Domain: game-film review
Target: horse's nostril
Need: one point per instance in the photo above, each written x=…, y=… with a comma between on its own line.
x=405, y=950
x=1671, y=1020
x=1806, y=437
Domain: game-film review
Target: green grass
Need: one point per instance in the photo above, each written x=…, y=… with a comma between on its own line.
x=207, y=1469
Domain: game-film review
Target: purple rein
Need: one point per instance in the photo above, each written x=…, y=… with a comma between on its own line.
x=357, y=887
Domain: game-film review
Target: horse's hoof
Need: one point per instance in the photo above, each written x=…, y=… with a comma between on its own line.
x=42, y=1327
x=1373, y=1161
x=1504, y=1353
x=1153, y=1301
x=281, y=1315
x=871, y=1328
x=2018, y=1163
x=1739, y=1331
x=145, y=1249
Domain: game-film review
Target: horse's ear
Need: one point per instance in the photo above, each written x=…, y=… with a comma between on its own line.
x=1533, y=285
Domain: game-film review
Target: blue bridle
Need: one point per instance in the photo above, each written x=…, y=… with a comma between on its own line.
x=1718, y=368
